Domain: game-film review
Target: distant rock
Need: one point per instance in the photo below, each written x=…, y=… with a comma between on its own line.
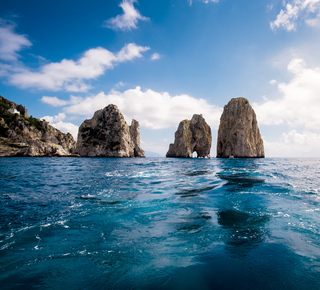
x=192, y=136
x=238, y=134
x=21, y=135
x=108, y=135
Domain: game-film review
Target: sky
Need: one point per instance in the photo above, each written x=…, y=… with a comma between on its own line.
x=162, y=61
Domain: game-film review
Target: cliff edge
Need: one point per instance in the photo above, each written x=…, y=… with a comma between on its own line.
x=21, y=135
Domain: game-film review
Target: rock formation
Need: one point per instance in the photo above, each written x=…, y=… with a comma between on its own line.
x=108, y=135
x=21, y=135
x=192, y=136
x=238, y=134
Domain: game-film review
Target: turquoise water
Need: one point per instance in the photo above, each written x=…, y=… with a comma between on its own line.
x=156, y=223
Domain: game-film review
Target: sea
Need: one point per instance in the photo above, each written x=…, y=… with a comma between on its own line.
x=159, y=223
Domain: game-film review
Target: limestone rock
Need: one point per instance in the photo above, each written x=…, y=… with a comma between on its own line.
x=238, y=134
x=21, y=135
x=192, y=136
x=21, y=109
x=108, y=135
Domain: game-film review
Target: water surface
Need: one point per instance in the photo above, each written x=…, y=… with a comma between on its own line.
x=156, y=223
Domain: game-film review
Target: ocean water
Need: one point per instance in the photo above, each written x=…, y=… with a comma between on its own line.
x=157, y=223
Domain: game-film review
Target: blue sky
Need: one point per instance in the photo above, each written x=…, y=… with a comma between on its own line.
x=163, y=61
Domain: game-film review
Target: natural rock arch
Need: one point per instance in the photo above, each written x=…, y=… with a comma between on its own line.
x=191, y=136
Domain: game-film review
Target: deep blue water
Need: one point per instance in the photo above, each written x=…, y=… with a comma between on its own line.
x=156, y=223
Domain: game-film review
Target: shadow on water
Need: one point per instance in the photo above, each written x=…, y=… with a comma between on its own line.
x=240, y=179
x=240, y=174
x=99, y=200
x=244, y=231
x=189, y=192
x=271, y=266
x=194, y=223
x=198, y=173
x=242, y=211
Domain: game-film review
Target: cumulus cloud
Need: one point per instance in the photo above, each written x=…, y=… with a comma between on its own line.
x=287, y=19
x=11, y=42
x=154, y=110
x=65, y=127
x=71, y=75
x=294, y=144
x=299, y=104
x=53, y=119
x=128, y=20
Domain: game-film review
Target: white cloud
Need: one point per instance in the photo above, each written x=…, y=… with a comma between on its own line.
x=155, y=56
x=54, y=101
x=130, y=51
x=287, y=19
x=53, y=119
x=204, y=1
x=10, y=42
x=65, y=127
x=294, y=144
x=128, y=20
x=299, y=104
x=315, y=22
x=119, y=84
x=70, y=75
x=152, y=109
x=273, y=82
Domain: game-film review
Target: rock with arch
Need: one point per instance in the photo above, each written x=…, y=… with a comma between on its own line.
x=192, y=136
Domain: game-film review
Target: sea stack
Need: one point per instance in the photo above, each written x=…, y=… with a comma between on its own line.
x=108, y=135
x=192, y=136
x=238, y=134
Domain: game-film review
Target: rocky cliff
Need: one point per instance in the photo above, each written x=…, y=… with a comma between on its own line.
x=192, y=136
x=238, y=134
x=21, y=135
x=108, y=135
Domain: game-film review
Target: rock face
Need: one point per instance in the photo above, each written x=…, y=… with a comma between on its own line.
x=108, y=135
x=21, y=135
x=238, y=134
x=192, y=136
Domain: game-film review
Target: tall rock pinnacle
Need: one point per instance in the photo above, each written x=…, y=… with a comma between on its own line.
x=192, y=136
x=238, y=134
x=108, y=135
